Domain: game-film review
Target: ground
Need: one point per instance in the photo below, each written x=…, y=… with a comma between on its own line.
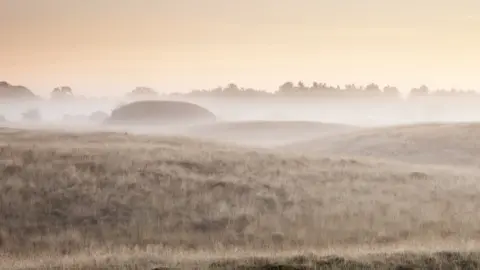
x=98, y=200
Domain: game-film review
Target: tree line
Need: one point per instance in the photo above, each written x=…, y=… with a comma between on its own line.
x=316, y=89
x=291, y=89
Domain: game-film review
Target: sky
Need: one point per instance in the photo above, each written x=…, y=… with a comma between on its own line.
x=108, y=47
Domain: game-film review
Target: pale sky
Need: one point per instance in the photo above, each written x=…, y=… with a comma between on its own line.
x=107, y=47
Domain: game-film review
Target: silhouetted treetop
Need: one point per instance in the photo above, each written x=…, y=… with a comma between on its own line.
x=143, y=91
x=62, y=92
x=372, y=88
x=321, y=89
x=391, y=91
x=230, y=90
x=418, y=92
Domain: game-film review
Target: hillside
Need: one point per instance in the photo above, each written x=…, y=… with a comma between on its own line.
x=67, y=195
x=8, y=91
x=266, y=133
x=443, y=144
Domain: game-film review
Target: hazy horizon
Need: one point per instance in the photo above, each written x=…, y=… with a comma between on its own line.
x=176, y=46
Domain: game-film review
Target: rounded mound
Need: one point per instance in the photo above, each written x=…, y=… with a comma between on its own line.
x=160, y=112
x=98, y=116
x=443, y=144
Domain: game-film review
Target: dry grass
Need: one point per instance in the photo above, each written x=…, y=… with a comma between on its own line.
x=442, y=144
x=267, y=133
x=85, y=201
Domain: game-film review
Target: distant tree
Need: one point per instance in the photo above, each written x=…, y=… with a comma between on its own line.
x=351, y=87
x=301, y=87
x=61, y=92
x=372, y=88
x=286, y=88
x=142, y=91
x=421, y=91
x=231, y=88
x=391, y=91
x=424, y=89
x=351, y=90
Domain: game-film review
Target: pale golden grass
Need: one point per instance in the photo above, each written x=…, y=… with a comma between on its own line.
x=108, y=200
x=444, y=144
x=266, y=133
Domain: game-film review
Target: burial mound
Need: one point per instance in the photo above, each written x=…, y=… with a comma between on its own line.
x=160, y=112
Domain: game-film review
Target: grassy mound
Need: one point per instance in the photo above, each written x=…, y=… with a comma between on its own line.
x=160, y=112
x=446, y=144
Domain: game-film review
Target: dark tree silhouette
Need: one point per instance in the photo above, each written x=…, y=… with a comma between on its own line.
x=319, y=89
x=352, y=88
x=372, y=90
x=62, y=92
x=231, y=88
x=143, y=91
x=391, y=91
x=286, y=88
x=301, y=87
x=421, y=91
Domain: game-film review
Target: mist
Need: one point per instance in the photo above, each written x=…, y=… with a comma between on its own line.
x=283, y=120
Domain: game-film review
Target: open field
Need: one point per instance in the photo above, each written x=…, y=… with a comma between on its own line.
x=267, y=133
x=97, y=200
x=433, y=143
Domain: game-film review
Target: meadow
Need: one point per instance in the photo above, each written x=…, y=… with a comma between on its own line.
x=352, y=198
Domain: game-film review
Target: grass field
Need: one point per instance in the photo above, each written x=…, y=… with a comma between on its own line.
x=453, y=144
x=119, y=201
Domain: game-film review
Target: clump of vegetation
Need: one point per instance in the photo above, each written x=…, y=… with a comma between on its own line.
x=62, y=92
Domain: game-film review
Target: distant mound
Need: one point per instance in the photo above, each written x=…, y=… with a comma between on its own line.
x=267, y=133
x=447, y=144
x=98, y=116
x=160, y=112
x=8, y=91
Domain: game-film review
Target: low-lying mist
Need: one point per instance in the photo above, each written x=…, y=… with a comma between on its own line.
x=352, y=112
x=303, y=118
